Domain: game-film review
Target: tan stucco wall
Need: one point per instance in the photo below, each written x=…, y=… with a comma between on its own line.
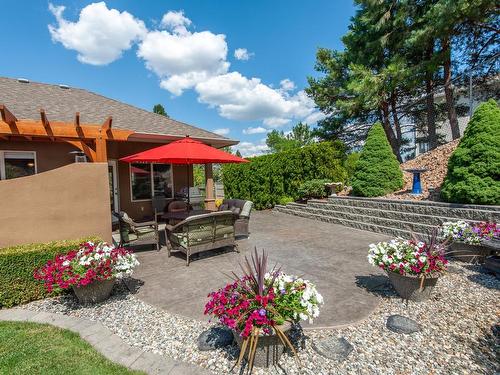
x=50, y=155
x=64, y=203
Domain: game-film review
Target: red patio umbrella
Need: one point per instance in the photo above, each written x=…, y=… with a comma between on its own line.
x=186, y=151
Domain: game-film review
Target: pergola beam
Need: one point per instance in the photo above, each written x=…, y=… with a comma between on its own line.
x=62, y=130
x=106, y=126
x=77, y=119
x=85, y=148
x=75, y=133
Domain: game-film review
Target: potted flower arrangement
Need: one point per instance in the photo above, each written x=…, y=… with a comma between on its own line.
x=469, y=241
x=413, y=266
x=90, y=271
x=260, y=307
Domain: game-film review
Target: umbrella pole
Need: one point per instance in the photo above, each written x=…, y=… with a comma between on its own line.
x=189, y=198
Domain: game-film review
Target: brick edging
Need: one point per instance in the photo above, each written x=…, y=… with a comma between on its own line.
x=106, y=342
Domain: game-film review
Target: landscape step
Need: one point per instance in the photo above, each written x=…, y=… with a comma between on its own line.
x=349, y=223
x=392, y=217
x=380, y=220
x=469, y=212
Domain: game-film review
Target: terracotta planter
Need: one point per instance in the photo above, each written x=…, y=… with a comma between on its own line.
x=96, y=292
x=469, y=253
x=408, y=287
x=269, y=348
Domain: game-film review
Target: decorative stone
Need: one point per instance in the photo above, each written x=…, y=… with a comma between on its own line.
x=215, y=338
x=402, y=324
x=335, y=348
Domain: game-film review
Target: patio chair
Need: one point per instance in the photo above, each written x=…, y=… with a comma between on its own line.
x=241, y=208
x=159, y=203
x=134, y=233
x=177, y=206
x=201, y=232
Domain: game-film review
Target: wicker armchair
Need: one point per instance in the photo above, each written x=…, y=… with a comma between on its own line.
x=201, y=232
x=134, y=233
x=241, y=208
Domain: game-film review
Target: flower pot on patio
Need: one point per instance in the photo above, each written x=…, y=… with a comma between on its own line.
x=411, y=287
x=269, y=347
x=465, y=252
x=95, y=292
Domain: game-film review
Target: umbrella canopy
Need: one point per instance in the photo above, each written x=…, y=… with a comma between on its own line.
x=184, y=151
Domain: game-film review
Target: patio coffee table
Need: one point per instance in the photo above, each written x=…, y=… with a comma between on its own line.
x=183, y=215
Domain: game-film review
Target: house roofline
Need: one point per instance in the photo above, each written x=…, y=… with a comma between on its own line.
x=160, y=138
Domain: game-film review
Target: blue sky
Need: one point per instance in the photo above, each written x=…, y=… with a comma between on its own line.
x=181, y=54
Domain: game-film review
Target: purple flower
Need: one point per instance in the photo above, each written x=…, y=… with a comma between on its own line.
x=262, y=312
x=283, y=291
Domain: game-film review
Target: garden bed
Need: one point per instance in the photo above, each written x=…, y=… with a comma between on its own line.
x=458, y=324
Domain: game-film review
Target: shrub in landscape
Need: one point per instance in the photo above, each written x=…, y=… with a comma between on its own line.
x=474, y=167
x=285, y=200
x=350, y=164
x=377, y=171
x=313, y=189
x=17, y=264
x=268, y=178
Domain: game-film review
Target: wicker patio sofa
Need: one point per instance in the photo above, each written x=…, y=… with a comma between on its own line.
x=241, y=208
x=201, y=232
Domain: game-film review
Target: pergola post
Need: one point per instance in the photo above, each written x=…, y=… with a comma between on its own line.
x=209, y=188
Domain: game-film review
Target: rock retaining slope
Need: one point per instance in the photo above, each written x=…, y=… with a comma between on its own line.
x=392, y=217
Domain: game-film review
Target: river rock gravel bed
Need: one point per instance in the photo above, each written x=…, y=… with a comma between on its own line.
x=460, y=332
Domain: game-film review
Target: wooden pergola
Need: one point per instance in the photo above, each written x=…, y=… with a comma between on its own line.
x=89, y=138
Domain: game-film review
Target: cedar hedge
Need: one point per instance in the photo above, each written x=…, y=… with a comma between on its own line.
x=474, y=167
x=269, y=179
x=377, y=171
x=17, y=264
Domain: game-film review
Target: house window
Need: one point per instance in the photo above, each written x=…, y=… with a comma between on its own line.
x=147, y=180
x=15, y=164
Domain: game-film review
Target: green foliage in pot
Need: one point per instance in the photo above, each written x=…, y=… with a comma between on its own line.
x=377, y=171
x=474, y=167
x=313, y=189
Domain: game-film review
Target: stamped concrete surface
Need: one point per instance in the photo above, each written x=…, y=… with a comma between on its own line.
x=107, y=343
x=332, y=256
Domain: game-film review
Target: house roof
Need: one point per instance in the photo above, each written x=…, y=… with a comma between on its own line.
x=25, y=99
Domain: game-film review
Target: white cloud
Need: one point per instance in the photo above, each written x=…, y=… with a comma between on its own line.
x=175, y=22
x=256, y=130
x=222, y=131
x=275, y=122
x=249, y=149
x=100, y=35
x=314, y=117
x=180, y=58
x=239, y=98
x=183, y=60
x=287, y=84
x=242, y=54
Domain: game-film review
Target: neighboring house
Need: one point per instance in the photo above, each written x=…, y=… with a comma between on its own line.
x=44, y=127
x=466, y=101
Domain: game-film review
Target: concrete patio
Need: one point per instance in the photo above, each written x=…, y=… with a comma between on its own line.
x=332, y=256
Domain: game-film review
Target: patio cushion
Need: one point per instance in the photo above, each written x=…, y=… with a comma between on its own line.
x=247, y=207
x=201, y=235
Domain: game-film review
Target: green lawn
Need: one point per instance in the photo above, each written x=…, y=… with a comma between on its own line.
x=30, y=348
